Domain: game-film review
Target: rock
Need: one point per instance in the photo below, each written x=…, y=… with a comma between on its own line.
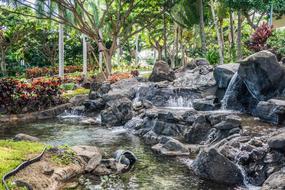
x=203, y=105
x=100, y=87
x=86, y=152
x=161, y=71
x=170, y=147
x=90, y=121
x=25, y=137
x=201, y=61
x=212, y=165
x=276, y=181
x=199, y=131
x=93, y=163
x=229, y=123
x=79, y=99
x=277, y=142
x=47, y=170
x=118, y=112
x=94, y=105
x=272, y=111
x=262, y=75
x=224, y=73
x=135, y=123
x=167, y=129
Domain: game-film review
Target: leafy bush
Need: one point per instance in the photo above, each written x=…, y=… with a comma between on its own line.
x=259, y=38
x=68, y=86
x=21, y=97
x=277, y=43
x=213, y=56
x=51, y=71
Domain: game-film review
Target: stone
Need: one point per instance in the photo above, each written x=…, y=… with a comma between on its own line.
x=25, y=137
x=170, y=147
x=229, y=123
x=277, y=142
x=161, y=72
x=203, y=105
x=275, y=181
x=211, y=165
x=272, y=111
x=118, y=112
x=86, y=152
x=224, y=73
x=94, y=105
x=79, y=99
x=93, y=163
x=135, y=123
x=262, y=75
x=47, y=170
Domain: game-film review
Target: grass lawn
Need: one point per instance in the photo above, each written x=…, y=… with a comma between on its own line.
x=14, y=153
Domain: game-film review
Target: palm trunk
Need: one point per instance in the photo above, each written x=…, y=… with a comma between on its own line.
x=202, y=26
x=61, y=50
x=118, y=56
x=100, y=53
x=137, y=50
x=3, y=63
x=165, y=36
x=217, y=31
x=85, y=71
x=159, y=50
x=232, y=29
x=222, y=35
x=154, y=56
x=239, y=52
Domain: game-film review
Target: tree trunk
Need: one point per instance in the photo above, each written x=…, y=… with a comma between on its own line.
x=239, y=51
x=118, y=56
x=222, y=35
x=61, y=49
x=165, y=36
x=159, y=50
x=3, y=63
x=176, y=46
x=154, y=56
x=137, y=50
x=232, y=29
x=85, y=71
x=108, y=57
x=202, y=26
x=212, y=5
x=100, y=53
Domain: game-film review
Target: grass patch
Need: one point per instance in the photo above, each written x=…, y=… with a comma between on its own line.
x=14, y=153
x=71, y=93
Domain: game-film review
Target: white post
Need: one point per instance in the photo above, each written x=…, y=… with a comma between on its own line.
x=61, y=50
x=271, y=14
x=85, y=71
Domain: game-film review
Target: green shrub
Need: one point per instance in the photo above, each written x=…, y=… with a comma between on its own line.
x=68, y=86
x=277, y=42
x=213, y=56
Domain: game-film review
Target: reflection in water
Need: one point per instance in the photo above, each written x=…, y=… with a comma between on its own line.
x=150, y=172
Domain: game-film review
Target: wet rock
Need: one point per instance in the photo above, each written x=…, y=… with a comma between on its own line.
x=90, y=121
x=229, y=123
x=135, y=123
x=94, y=105
x=262, y=75
x=212, y=165
x=170, y=147
x=277, y=142
x=118, y=112
x=203, y=104
x=199, y=131
x=224, y=73
x=168, y=129
x=25, y=137
x=93, y=163
x=86, y=152
x=276, y=181
x=151, y=138
x=161, y=71
x=272, y=111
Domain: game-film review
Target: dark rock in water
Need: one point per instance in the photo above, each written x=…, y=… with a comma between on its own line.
x=212, y=165
x=276, y=181
x=161, y=72
x=118, y=112
x=94, y=105
x=134, y=123
x=170, y=147
x=224, y=73
x=262, y=75
x=272, y=111
x=277, y=142
x=151, y=138
x=25, y=137
x=168, y=129
x=189, y=117
x=229, y=123
x=203, y=105
x=199, y=131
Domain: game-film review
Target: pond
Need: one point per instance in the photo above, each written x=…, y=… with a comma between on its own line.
x=151, y=171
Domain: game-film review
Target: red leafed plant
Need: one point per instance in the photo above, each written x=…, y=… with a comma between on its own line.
x=259, y=37
x=21, y=97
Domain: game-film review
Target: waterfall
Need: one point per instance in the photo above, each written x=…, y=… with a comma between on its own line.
x=229, y=91
x=179, y=102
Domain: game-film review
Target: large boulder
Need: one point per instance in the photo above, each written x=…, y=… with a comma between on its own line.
x=272, y=111
x=276, y=181
x=170, y=147
x=161, y=72
x=224, y=73
x=212, y=165
x=262, y=75
x=118, y=112
x=277, y=142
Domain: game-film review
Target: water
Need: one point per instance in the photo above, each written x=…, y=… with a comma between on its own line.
x=229, y=91
x=150, y=172
x=179, y=102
